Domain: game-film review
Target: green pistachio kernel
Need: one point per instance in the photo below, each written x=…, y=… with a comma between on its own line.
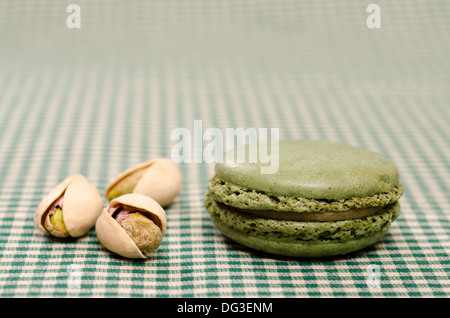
x=143, y=231
x=126, y=185
x=58, y=228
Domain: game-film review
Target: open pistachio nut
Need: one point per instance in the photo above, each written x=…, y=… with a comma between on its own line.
x=70, y=209
x=159, y=179
x=132, y=225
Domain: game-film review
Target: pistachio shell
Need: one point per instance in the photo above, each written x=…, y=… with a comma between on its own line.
x=81, y=208
x=112, y=236
x=159, y=179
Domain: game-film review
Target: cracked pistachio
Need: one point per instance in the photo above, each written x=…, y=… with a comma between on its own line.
x=132, y=225
x=70, y=209
x=159, y=179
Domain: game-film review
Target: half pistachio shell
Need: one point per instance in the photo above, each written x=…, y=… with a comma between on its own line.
x=159, y=179
x=114, y=237
x=81, y=206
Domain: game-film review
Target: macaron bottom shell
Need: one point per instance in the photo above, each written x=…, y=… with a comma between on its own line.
x=292, y=245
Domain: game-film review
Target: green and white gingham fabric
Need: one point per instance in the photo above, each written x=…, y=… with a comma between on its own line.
x=99, y=99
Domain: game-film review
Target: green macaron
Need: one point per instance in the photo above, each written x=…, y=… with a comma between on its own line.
x=325, y=199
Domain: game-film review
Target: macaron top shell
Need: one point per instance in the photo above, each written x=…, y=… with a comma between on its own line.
x=316, y=169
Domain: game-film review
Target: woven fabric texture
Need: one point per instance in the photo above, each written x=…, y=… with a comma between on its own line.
x=99, y=99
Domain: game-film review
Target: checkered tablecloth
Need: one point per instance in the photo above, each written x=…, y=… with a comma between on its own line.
x=99, y=99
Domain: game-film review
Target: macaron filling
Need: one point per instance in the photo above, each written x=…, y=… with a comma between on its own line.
x=313, y=216
x=240, y=197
